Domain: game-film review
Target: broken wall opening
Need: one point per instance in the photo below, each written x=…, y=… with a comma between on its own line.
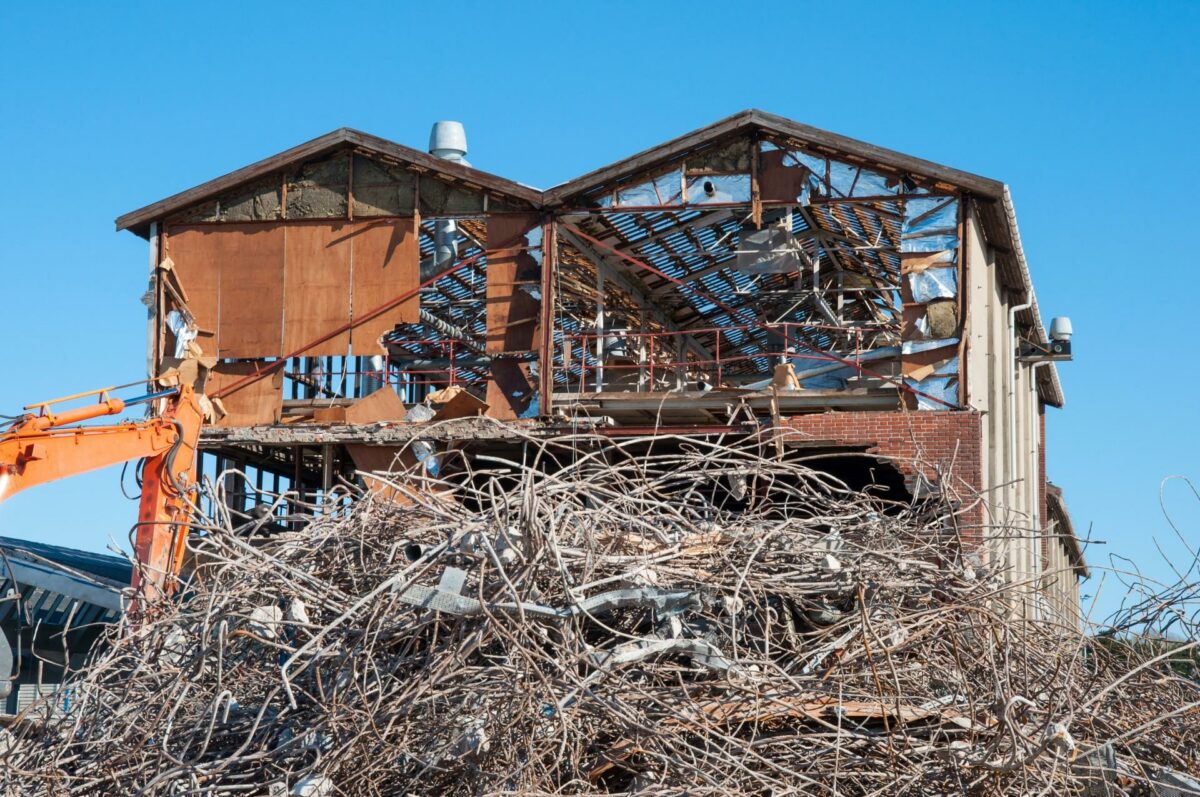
x=756, y=254
x=328, y=278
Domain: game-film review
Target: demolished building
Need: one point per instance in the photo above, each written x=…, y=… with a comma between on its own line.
x=57, y=603
x=754, y=278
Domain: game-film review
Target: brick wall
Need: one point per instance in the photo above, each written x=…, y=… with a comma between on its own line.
x=938, y=445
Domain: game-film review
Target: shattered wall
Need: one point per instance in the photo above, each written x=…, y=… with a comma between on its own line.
x=338, y=274
x=753, y=251
x=729, y=262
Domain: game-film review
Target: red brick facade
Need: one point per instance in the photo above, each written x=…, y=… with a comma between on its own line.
x=934, y=444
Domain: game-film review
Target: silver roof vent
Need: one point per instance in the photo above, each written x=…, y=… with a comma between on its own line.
x=448, y=140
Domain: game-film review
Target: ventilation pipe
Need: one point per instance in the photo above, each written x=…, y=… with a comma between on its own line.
x=447, y=140
x=451, y=331
x=375, y=376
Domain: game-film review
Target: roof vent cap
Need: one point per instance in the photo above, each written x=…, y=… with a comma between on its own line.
x=449, y=140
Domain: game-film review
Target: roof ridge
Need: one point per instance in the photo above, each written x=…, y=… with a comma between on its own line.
x=138, y=220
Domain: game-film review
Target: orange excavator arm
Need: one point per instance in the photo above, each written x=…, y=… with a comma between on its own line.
x=43, y=447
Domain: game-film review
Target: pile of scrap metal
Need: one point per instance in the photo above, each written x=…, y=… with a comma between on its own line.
x=696, y=618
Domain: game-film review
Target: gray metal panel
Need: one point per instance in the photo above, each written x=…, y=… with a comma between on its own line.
x=115, y=569
x=51, y=580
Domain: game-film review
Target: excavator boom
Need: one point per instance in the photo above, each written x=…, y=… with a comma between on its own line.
x=43, y=447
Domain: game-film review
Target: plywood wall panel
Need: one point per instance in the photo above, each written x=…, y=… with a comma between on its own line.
x=251, y=323
x=382, y=405
x=779, y=181
x=509, y=390
x=197, y=260
x=388, y=459
x=512, y=313
x=317, y=286
x=386, y=265
x=266, y=290
x=259, y=402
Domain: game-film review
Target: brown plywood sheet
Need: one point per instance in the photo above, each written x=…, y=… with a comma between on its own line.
x=197, y=261
x=317, y=286
x=385, y=265
x=921, y=364
x=510, y=389
x=777, y=181
x=461, y=405
x=385, y=459
x=382, y=405
x=251, y=289
x=916, y=262
x=380, y=458
x=258, y=402
x=512, y=314
x=329, y=415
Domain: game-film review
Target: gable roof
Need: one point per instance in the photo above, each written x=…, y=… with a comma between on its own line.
x=994, y=203
x=995, y=206
x=755, y=120
x=138, y=221
x=746, y=121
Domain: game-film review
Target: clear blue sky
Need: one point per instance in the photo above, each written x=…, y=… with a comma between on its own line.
x=1087, y=110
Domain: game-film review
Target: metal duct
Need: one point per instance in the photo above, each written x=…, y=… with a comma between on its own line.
x=451, y=331
x=447, y=140
x=374, y=378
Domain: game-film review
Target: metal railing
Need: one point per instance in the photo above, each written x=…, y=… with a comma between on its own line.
x=442, y=363
x=593, y=357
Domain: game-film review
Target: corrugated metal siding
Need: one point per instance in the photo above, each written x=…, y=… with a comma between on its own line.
x=58, y=702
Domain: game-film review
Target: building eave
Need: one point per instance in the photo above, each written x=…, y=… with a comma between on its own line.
x=756, y=120
x=138, y=221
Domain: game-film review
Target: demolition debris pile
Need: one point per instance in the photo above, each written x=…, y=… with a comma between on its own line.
x=699, y=619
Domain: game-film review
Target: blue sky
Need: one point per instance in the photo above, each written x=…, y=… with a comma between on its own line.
x=1087, y=110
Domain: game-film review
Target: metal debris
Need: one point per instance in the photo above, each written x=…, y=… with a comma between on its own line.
x=653, y=633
